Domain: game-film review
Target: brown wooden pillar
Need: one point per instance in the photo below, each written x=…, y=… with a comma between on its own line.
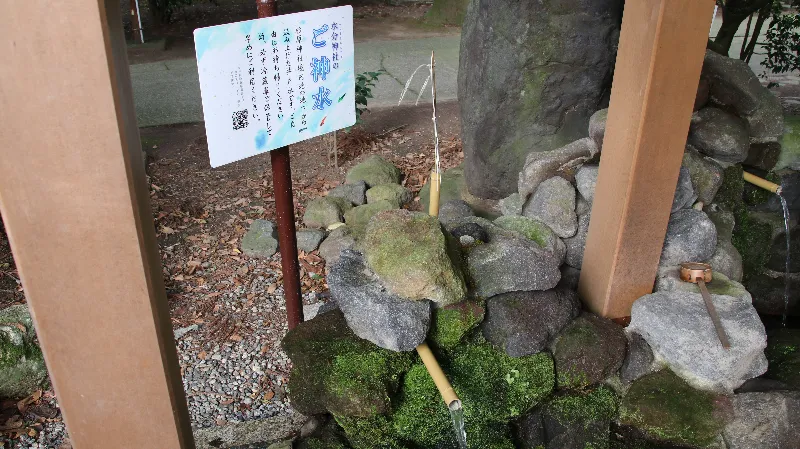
x=660, y=56
x=74, y=199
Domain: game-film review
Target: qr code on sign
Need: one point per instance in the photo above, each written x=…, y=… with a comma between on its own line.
x=240, y=119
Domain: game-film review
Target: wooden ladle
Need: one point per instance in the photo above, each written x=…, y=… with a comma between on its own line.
x=700, y=274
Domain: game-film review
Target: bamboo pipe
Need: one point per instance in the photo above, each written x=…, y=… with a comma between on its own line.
x=433, y=206
x=761, y=182
x=445, y=389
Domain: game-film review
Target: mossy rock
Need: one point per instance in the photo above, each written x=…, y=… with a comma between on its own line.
x=451, y=187
x=530, y=228
x=452, y=323
x=328, y=436
x=334, y=370
x=666, y=409
x=790, y=144
x=22, y=368
x=409, y=252
x=587, y=351
x=395, y=194
x=570, y=408
x=783, y=355
x=325, y=211
x=375, y=170
x=375, y=432
x=729, y=195
x=421, y=417
x=357, y=218
x=752, y=237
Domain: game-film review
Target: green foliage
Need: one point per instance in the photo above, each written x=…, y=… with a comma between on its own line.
x=364, y=84
x=163, y=10
x=782, y=41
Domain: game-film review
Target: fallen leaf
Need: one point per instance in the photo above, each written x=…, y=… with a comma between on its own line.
x=167, y=230
x=269, y=395
x=242, y=270
x=202, y=355
x=227, y=402
x=235, y=337
x=272, y=288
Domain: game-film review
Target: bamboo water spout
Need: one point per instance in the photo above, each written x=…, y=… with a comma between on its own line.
x=761, y=182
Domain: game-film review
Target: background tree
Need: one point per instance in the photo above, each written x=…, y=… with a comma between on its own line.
x=734, y=12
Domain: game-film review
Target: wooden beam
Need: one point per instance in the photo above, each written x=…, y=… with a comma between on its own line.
x=74, y=199
x=660, y=56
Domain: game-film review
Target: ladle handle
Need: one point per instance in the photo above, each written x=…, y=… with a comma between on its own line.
x=712, y=311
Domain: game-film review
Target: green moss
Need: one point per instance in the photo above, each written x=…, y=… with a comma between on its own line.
x=395, y=194
x=530, y=228
x=599, y=404
x=358, y=217
x=450, y=324
x=729, y=195
x=489, y=436
x=666, y=408
x=752, y=238
x=421, y=416
x=356, y=375
x=370, y=433
x=790, y=144
x=375, y=170
x=10, y=351
x=783, y=354
x=495, y=387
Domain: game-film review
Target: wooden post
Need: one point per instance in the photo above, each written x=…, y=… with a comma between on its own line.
x=660, y=57
x=74, y=198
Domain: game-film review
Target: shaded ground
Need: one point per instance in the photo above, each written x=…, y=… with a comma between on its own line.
x=230, y=306
x=175, y=41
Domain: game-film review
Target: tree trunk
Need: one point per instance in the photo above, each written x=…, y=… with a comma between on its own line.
x=751, y=46
x=733, y=14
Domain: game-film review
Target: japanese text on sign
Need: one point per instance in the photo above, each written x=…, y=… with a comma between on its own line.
x=271, y=82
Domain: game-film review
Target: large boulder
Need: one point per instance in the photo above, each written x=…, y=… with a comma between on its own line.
x=337, y=241
x=764, y=419
x=524, y=323
x=373, y=313
x=790, y=145
x=22, y=369
x=732, y=83
x=508, y=264
x=677, y=327
x=588, y=350
x=705, y=173
x=358, y=217
x=395, y=194
x=597, y=127
x=325, y=211
x=261, y=239
x=543, y=165
x=691, y=237
x=409, y=252
x=335, y=371
x=586, y=181
x=374, y=171
x=669, y=280
x=719, y=134
x=530, y=76
x=355, y=193
x=553, y=204
x=454, y=210
x=684, y=191
x=668, y=411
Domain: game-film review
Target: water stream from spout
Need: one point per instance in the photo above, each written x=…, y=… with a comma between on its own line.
x=457, y=413
x=788, y=260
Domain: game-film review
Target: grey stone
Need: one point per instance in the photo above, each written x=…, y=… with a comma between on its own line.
x=597, y=127
x=769, y=293
x=668, y=279
x=512, y=204
x=727, y=260
x=374, y=170
x=356, y=192
x=309, y=239
x=790, y=144
x=577, y=243
x=761, y=385
x=589, y=350
x=765, y=124
x=764, y=420
x=535, y=231
x=22, y=368
x=533, y=86
x=511, y=264
x=569, y=277
x=180, y=332
x=412, y=256
x=261, y=239
x=372, y=312
x=339, y=239
x=684, y=191
x=691, y=237
x=553, y=204
x=639, y=360
x=395, y=194
x=524, y=323
x=705, y=173
x=451, y=188
x=358, y=217
x=311, y=310
x=763, y=155
x=543, y=165
x=677, y=327
x=471, y=230
x=724, y=221
x=325, y=211
x=454, y=210
x=586, y=180
x=732, y=83
x=279, y=427
x=719, y=134
x=582, y=207
x=777, y=258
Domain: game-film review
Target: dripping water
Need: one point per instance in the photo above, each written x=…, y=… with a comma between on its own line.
x=457, y=413
x=788, y=260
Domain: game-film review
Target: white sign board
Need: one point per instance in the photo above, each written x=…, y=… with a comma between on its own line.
x=271, y=82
